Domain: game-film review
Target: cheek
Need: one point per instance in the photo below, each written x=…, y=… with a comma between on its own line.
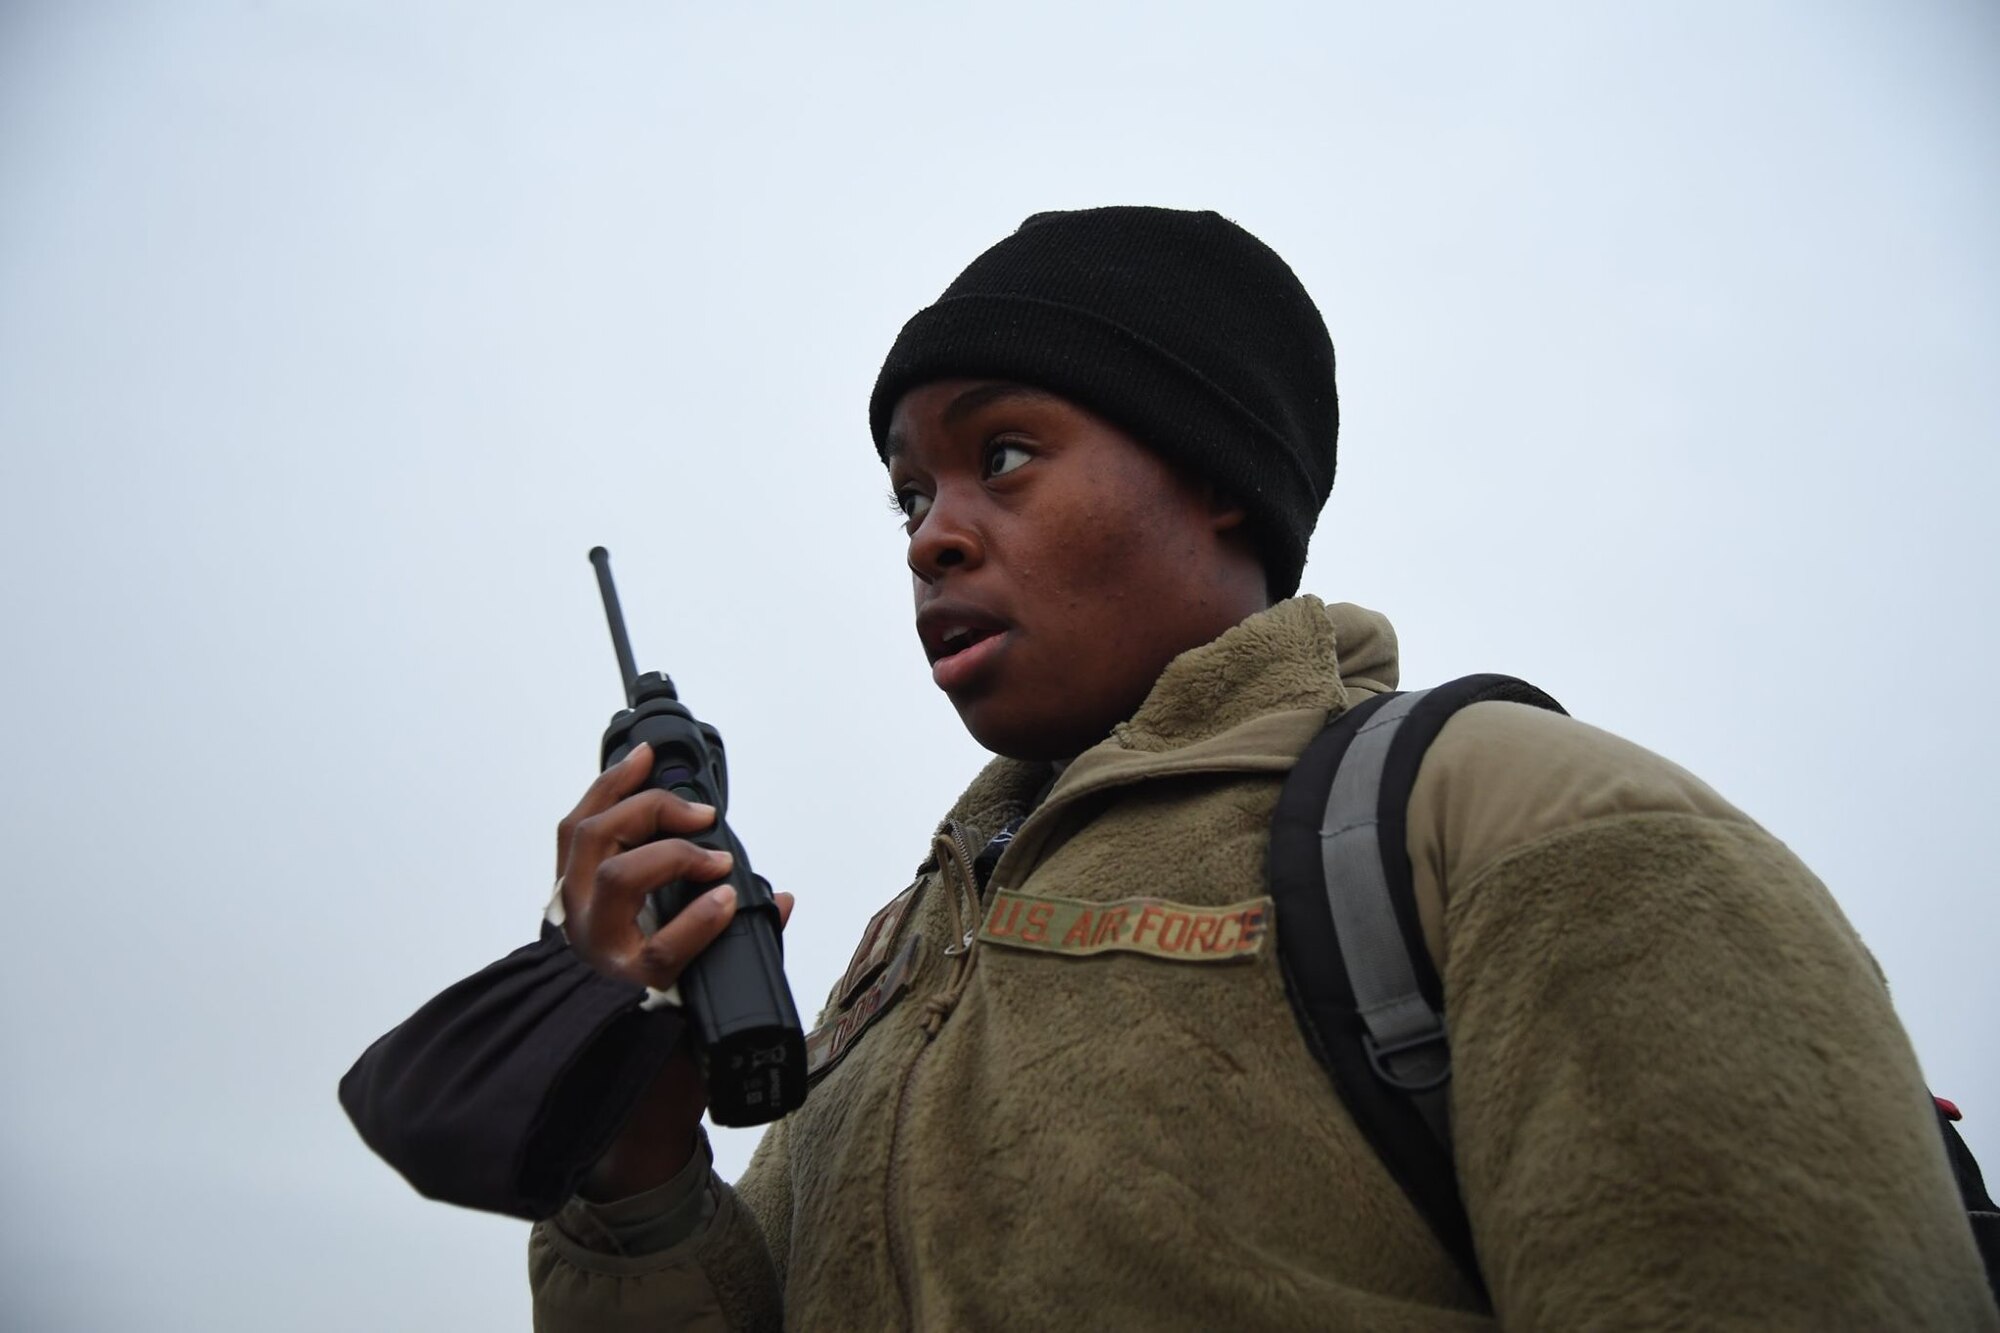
x=1081, y=559
x=1115, y=545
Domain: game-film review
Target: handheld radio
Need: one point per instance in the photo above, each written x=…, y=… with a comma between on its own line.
x=746, y=1029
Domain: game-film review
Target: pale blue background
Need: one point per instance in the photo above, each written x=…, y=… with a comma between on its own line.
x=332, y=334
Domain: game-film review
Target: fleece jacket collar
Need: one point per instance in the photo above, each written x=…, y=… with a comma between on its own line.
x=1246, y=701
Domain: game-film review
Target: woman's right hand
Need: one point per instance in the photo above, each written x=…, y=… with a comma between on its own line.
x=617, y=846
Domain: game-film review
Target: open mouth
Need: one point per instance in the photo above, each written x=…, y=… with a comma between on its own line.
x=965, y=657
x=960, y=638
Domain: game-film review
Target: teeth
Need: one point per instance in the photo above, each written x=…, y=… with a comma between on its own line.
x=955, y=634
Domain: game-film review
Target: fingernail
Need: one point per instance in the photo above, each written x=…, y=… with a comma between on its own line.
x=641, y=748
x=723, y=898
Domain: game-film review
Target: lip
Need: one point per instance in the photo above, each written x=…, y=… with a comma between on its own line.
x=953, y=670
x=964, y=667
x=939, y=618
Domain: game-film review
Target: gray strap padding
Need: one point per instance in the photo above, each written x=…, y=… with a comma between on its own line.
x=1406, y=1036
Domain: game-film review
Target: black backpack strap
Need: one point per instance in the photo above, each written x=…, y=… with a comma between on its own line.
x=1360, y=977
x=1979, y=1209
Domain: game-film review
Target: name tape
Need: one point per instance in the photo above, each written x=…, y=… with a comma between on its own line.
x=825, y=1045
x=877, y=945
x=1151, y=926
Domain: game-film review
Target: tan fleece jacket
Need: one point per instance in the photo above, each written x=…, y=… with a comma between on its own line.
x=1681, y=1098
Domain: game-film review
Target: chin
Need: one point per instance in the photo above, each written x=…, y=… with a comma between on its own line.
x=1036, y=739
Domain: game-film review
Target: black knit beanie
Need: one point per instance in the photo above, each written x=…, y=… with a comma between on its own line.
x=1182, y=328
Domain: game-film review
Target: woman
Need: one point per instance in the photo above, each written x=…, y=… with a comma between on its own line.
x=1060, y=1083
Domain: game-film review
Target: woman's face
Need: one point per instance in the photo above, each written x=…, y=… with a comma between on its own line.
x=1059, y=565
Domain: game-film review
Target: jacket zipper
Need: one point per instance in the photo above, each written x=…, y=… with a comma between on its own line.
x=957, y=868
x=955, y=862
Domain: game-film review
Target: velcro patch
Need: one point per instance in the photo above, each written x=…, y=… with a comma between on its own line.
x=878, y=942
x=1152, y=926
x=826, y=1044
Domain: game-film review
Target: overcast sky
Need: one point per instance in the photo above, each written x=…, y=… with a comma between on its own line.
x=332, y=335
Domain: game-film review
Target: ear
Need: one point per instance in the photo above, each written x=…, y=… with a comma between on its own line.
x=1224, y=514
x=1230, y=522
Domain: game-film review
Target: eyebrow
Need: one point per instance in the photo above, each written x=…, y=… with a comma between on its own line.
x=968, y=402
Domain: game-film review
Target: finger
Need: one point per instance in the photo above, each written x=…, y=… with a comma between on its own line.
x=784, y=901
x=613, y=785
x=668, y=950
x=637, y=820
x=630, y=876
x=604, y=918
x=616, y=782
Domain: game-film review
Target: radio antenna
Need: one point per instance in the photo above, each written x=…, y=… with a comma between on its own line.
x=615, y=617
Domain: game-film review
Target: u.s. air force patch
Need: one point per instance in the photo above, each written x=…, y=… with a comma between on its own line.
x=828, y=1042
x=1151, y=926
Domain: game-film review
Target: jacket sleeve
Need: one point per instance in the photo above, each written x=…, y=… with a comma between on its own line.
x=499, y=1092
x=1681, y=1097
x=589, y=1274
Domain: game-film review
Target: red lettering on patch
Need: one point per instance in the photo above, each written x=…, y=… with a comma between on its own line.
x=1037, y=928
x=1177, y=932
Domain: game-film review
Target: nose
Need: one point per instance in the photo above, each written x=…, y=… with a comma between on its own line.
x=945, y=539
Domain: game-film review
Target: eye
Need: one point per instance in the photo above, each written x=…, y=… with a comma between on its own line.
x=1002, y=458
x=911, y=504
